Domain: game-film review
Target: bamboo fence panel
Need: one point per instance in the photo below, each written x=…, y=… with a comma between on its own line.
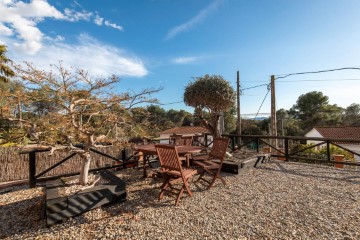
x=14, y=166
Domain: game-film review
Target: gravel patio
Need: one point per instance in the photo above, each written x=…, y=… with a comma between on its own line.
x=278, y=200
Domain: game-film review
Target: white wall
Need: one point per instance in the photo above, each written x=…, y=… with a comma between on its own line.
x=354, y=148
x=314, y=133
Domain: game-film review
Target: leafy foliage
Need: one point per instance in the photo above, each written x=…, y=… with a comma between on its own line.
x=211, y=94
x=352, y=115
x=5, y=70
x=313, y=109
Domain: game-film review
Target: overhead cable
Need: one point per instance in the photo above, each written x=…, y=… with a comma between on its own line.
x=253, y=87
x=321, y=71
x=269, y=88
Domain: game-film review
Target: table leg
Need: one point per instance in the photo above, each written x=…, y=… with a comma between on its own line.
x=188, y=160
x=146, y=159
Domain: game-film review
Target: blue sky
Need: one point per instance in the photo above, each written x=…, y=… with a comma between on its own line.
x=168, y=42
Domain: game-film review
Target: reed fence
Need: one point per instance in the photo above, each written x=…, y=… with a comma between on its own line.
x=15, y=166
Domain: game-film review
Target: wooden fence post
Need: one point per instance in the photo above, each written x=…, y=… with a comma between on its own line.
x=233, y=143
x=286, y=149
x=32, y=169
x=328, y=150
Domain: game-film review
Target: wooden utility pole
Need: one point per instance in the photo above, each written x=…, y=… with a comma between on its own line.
x=238, y=123
x=273, y=111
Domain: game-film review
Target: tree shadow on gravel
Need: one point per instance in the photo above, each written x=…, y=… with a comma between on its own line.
x=22, y=216
x=300, y=172
x=27, y=216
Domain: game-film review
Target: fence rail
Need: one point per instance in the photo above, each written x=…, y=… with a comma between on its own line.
x=13, y=164
x=289, y=153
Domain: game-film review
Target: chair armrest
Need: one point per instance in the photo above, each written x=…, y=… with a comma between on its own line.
x=200, y=157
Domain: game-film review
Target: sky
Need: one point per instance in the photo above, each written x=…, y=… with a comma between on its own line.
x=167, y=43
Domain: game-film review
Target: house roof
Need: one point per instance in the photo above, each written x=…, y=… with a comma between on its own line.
x=351, y=132
x=185, y=130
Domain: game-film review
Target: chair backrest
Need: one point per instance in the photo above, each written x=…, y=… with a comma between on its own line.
x=169, y=157
x=187, y=141
x=174, y=139
x=219, y=147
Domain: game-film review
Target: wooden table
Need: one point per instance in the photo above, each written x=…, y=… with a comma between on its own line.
x=148, y=150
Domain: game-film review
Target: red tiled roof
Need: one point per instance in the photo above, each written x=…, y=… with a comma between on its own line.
x=185, y=130
x=340, y=132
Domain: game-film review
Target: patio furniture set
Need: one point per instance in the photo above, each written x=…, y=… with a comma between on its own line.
x=178, y=164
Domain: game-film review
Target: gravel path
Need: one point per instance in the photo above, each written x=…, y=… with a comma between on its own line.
x=277, y=200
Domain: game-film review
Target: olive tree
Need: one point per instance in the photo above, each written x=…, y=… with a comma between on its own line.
x=210, y=95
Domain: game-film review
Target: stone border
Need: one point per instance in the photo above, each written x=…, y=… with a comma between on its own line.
x=58, y=208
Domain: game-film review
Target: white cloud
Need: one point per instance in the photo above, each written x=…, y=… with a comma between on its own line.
x=184, y=60
x=89, y=54
x=4, y=30
x=74, y=16
x=194, y=20
x=113, y=25
x=98, y=20
x=20, y=19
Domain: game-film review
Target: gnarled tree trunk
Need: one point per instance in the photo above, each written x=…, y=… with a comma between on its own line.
x=85, y=166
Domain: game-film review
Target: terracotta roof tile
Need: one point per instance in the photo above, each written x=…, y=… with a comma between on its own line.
x=340, y=132
x=185, y=130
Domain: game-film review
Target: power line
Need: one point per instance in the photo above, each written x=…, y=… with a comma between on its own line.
x=322, y=80
x=309, y=80
x=168, y=103
x=262, y=102
x=253, y=87
x=321, y=71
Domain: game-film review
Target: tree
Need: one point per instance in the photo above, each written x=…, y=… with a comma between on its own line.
x=158, y=119
x=288, y=125
x=352, y=115
x=82, y=110
x=313, y=109
x=211, y=94
x=230, y=120
x=5, y=71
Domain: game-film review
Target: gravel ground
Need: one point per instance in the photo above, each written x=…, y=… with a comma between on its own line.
x=277, y=200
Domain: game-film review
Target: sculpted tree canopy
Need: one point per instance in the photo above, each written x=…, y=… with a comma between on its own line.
x=68, y=109
x=211, y=94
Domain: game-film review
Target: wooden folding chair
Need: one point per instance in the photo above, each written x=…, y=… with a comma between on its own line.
x=187, y=141
x=174, y=139
x=207, y=163
x=173, y=171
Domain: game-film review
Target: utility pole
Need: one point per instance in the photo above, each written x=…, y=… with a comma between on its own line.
x=273, y=111
x=238, y=123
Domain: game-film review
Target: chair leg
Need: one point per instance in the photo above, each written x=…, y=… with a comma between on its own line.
x=187, y=188
x=217, y=175
x=201, y=175
x=178, y=197
x=212, y=182
x=163, y=187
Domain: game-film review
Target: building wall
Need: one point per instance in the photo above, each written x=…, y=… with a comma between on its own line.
x=314, y=133
x=353, y=147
